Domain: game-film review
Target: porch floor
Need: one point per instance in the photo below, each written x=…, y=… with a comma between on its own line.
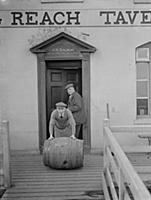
x=32, y=180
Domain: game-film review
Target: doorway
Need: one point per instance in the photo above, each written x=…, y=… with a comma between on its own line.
x=61, y=59
x=58, y=75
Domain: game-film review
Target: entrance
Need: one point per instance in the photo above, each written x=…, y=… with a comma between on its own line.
x=59, y=74
x=62, y=59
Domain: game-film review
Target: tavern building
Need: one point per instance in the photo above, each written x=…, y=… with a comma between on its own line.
x=104, y=47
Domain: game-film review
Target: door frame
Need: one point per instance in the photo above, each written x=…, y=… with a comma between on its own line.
x=42, y=69
x=66, y=48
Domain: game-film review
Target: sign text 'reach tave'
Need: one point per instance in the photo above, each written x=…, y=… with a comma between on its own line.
x=75, y=18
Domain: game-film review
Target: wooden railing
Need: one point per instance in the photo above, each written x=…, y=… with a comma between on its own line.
x=5, y=171
x=120, y=180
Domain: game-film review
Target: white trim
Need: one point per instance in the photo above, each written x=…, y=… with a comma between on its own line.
x=142, y=80
x=62, y=1
x=142, y=1
x=142, y=98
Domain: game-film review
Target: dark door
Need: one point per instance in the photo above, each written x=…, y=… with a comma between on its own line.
x=57, y=78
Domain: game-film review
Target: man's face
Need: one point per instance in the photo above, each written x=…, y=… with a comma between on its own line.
x=70, y=90
x=61, y=109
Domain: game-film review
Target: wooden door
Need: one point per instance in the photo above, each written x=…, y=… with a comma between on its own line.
x=56, y=82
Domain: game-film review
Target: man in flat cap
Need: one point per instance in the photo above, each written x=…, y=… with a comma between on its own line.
x=62, y=123
x=76, y=106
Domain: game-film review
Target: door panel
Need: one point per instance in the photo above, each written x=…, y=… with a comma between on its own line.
x=56, y=95
x=54, y=89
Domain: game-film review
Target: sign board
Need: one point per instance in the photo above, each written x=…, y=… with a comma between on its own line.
x=78, y=18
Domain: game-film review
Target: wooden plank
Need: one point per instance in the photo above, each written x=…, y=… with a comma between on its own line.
x=66, y=193
x=105, y=187
x=6, y=154
x=113, y=165
x=76, y=197
x=145, y=177
x=59, y=186
x=126, y=196
x=91, y=185
x=48, y=183
x=27, y=191
x=45, y=176
x=111, y=184
x=137, y=149
x=131, y=129
x=143, y=169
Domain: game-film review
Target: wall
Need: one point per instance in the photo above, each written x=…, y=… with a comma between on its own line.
x=112, y=80
x=19, y=89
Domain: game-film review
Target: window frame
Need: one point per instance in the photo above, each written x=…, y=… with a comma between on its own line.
x=148, y=80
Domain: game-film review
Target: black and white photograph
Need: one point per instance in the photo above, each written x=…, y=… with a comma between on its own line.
x=75, y=99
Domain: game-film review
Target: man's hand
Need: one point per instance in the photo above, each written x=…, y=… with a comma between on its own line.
x=73, y=137
x=51, y=137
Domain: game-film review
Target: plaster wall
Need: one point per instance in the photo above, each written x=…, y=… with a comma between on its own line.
x=112, y=79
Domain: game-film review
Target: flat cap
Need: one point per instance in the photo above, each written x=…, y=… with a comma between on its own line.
x=61, y=104
x=69, y=85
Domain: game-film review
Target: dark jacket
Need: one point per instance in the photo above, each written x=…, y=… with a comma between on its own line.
x=75, y=104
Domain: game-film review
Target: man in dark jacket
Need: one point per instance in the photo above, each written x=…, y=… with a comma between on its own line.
x=76, y=106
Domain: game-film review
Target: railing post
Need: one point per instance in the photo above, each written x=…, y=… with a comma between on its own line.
x=106, y=123
x=121, y=185
x=6, y=154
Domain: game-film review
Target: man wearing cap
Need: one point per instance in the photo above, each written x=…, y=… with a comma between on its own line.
x=62, y=123
x=76, y=106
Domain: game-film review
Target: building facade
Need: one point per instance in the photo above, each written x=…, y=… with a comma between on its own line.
x=103, y=46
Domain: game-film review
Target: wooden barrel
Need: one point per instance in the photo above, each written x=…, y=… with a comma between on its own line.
x=63, y=153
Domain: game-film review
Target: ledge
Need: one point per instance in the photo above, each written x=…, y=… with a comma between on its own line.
x=62, y=1
x=141, y=121
x=142, y=1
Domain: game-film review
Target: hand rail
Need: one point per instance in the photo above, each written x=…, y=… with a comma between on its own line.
x=119, y=171
x=5, y=171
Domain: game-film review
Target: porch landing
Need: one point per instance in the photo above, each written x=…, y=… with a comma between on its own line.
x=34, y=181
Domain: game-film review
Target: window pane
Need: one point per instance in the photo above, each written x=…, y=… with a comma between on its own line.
x=142, y=89
x=142, y=70
x=142, y=54
x=142, y=106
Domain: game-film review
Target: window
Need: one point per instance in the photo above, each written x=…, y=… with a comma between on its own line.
x=143, y=84
x=61, y=1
